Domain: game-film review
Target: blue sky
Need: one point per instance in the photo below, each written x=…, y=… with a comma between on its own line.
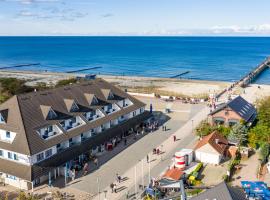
x=135, y=17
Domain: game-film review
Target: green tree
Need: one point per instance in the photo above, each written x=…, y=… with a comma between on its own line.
x=264, y=152
x=239, y=134
x=263, y=108
x=259, y=135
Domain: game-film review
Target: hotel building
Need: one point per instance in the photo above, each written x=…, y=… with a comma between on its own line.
x=42, y=131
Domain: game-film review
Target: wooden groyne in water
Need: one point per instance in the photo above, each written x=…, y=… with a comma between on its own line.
x=21, y=65
x=255, y=73
x=179, y=75
x=81, y=70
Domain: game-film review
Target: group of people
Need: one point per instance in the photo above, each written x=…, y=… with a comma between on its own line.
x=113, y=185
x=152, y=126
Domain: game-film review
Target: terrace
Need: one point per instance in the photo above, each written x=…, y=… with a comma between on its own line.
x=49, y=131
x=71, y=123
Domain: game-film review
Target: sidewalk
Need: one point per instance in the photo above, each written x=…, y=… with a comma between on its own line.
x=134, y=175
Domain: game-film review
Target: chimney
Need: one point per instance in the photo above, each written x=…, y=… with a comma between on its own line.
x=217, y=141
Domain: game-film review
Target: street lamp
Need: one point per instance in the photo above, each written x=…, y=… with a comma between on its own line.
x=161, y=148
x=135, y=180
x=192, y=126
x=105, y=194
x=98, y=188
x=149, y=168
x=142, y=174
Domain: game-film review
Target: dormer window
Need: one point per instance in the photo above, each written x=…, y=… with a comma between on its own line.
x=74, y=107
x=94, y=101
x=51, y=114
x=111, y=96
x=91, y=99
x=71, y=105
x=47, y=112
x=107, y=94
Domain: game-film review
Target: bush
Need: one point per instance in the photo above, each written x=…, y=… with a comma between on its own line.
x=204, y=128
x=65, y=82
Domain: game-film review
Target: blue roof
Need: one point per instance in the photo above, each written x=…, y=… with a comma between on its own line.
x=243, y=108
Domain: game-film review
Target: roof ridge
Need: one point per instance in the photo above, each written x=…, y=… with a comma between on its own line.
x=227, y=188
x=60, y=87
x=19, y=107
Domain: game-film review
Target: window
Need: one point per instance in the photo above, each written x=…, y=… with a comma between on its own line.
x=11, y=177
x=7, y=134
x=1, y=152
x=40, y=156
x=58, y=145
x=1, y=119
x=50, y=129
x=51, y=114
x=74, y=107
x=94, y=101
x=9, y=155
x=15, y=156
x=48, y=153
x=73, y=120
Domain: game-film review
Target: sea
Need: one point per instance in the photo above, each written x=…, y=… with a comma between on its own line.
x=199, y=58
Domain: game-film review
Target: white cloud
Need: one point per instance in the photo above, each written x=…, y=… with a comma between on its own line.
x=263, y=29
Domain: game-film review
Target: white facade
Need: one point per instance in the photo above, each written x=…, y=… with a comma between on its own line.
x=14, y=156
x=207, y=154
x=14, y=181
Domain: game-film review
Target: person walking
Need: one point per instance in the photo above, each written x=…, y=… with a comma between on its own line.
x=125, y=141
x=112, y=187
x=118, y=178
x=96, y=161
x=73, y=175
x=85, y=169
x=174, y=138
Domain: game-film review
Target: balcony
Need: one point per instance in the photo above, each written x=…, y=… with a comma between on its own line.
x=49, y=132
x=71, y=123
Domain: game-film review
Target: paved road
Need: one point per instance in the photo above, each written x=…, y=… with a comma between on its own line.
x=127, y=159
x=185, y=136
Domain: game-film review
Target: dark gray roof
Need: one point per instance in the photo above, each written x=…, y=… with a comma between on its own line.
x=26, y=115
x=243, y=108
x=222, y=192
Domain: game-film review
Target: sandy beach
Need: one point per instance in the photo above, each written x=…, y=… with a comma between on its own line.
x=162, y=86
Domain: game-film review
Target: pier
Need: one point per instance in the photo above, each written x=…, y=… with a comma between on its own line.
x=254, y=74
x=248, y=78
